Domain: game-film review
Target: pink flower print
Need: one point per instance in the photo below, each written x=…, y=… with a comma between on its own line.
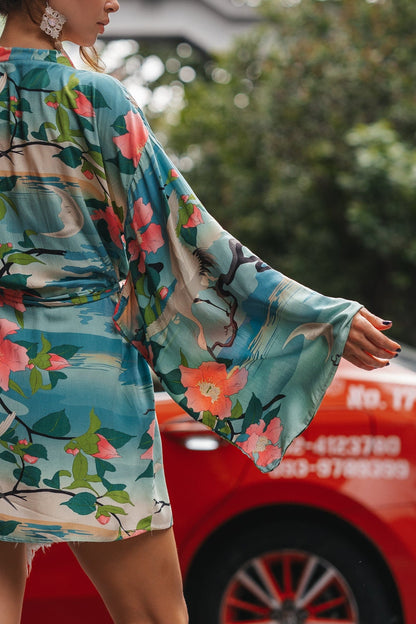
x=5, y=53
x=29, y=459
x=262, y=441
x=164, y=292
x=113, y=224
x=142, y=214
x=195, y=218
x=56, y=362
x=105, y=449
x=88, y=174
x=12, y=298
x=23, y=442
x=134, y=249
x=83, y=106
x=173, y=174
x=72, y=451
x=54, y=105
x=103, y=519
x=146, y=353
x=209, y=387
x=13, y=357
x=132, y=143
x=152, y=239
x=151, y=431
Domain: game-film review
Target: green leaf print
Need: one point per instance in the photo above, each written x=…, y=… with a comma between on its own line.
x=115, y=438
x=55, y=482
x=80, y=467
x=22, y=258
x=209, y=420
x=3, y=208
x=82, y=504
x=149, y=315
x=6, y=528
x=7, y=183
x=148, y=473
x=173, y=381
x=62, y=121
x=71, y=156
x=145, y=524
x=54, y=424
x=120, y=125
x=119, y=497
x=88, y=443
x=237, y=411
x=146, y=442
x=95, y=422
x=8, y=457
x=42, y=135
x=14, y=386
x=103, y=466
x=35, y=380
x=254, y=412
x=65, y=351
x=111, y=509
x=35, y=79
x=37, y=450
x=30, y=475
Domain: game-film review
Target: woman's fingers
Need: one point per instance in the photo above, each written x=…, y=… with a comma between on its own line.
x=367, y=347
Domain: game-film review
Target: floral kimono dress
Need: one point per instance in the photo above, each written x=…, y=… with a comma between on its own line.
x=110, y=266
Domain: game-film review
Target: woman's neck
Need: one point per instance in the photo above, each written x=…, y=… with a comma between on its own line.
x=21, y=32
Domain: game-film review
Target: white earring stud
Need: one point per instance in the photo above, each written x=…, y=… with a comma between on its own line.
x=52, y=22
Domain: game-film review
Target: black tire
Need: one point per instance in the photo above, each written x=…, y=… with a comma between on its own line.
x=228, y=584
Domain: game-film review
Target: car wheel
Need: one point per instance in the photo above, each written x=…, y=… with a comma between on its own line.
x=288, y=573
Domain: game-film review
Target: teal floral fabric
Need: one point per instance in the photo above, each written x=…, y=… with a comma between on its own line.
x=110, y=266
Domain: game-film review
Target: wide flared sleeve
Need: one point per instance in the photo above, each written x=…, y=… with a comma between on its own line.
x=239, y=346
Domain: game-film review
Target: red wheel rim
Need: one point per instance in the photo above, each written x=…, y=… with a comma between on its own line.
x=288, y=587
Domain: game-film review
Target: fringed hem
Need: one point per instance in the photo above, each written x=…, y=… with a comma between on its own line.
x=31, y=550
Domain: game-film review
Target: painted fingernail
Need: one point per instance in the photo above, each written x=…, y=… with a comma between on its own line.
x=387, y=322
x=397, y=355
x=387, y=363
x=398, y=350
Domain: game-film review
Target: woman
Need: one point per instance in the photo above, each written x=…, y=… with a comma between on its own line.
x=89, y=200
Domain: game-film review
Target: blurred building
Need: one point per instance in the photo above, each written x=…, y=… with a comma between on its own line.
x=208, y=24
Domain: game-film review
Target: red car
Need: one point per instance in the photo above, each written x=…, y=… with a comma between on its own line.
x=328, y=537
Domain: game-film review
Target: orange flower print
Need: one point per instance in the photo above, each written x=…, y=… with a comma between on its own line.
x=132, y=143
x=103, y=519
x=13, y=357
x=209, y=387
x=262, y=441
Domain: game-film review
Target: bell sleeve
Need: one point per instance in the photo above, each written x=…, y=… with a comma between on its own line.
x=239, y=346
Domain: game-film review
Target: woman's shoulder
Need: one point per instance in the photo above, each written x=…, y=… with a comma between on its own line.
x=105, y=91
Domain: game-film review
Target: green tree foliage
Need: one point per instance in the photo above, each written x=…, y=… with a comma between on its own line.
x=304, y=144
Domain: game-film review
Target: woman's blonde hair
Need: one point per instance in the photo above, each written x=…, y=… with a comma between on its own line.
x=35, y=9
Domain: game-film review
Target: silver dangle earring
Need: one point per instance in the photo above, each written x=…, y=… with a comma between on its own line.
x=52, y=22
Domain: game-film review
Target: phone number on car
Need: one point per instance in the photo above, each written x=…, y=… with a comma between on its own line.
x=338, y=468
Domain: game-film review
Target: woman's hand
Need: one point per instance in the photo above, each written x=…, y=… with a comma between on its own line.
x=366, y=346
